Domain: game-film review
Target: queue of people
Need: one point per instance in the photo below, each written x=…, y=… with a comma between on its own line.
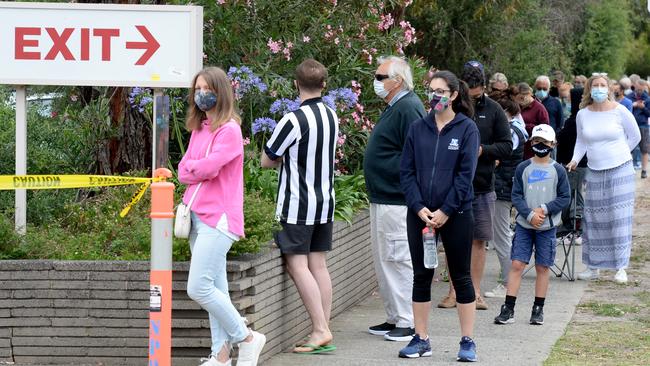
x=458, y=169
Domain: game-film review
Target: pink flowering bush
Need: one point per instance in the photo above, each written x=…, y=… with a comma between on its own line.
x=271, y=40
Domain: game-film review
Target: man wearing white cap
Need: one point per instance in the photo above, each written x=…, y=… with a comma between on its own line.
x=540, y=192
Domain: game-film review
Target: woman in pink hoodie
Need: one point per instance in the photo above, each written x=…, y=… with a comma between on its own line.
x=213, y=165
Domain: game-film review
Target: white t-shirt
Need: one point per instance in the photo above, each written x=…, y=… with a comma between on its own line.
x=222, y=226
x=606, y=137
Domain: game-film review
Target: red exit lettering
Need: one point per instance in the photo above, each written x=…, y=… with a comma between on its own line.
x=25, y=38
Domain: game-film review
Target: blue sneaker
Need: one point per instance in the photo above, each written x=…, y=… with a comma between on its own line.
x=417, y=347
x=467, y=352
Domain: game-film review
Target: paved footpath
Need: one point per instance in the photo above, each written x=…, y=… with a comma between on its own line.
x=514, y=344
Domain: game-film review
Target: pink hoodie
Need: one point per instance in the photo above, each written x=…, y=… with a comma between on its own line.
x=222, y=174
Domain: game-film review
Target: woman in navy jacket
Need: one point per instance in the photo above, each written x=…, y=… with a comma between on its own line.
x=437, y=169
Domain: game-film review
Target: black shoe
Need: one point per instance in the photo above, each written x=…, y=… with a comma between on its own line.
x=507, y=316
x=400, y=335
x=537, y=315
x=644, y=175
x=381, y=329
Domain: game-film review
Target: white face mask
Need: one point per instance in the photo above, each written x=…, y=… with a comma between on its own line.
x=379, y=89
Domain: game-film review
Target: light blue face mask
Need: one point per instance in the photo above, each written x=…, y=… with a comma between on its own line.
x=541, y=94
x=599, y=95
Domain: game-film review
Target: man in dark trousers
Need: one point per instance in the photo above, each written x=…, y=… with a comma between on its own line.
x=394, y=84
x=496, y=144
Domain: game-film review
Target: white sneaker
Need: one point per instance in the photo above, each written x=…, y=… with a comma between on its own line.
x=499, y=291
x=578, y=240
x=249, y=352
x=621, y=276
x=212, y=361
x=589, y=274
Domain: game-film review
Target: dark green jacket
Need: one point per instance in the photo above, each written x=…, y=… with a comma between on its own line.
x=384, y=151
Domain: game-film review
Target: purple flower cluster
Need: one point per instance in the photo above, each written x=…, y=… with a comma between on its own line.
x=263, y=124
x=244, y=81
x=139, y=98
x=283, y=106
x=343, y=97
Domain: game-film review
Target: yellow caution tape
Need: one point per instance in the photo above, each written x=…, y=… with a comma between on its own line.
x=11, y=182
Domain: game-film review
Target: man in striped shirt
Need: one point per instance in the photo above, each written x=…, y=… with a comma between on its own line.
x=303, y=145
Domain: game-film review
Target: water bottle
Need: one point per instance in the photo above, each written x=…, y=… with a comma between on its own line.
x=430, y=248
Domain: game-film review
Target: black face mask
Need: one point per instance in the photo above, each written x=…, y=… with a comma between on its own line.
x=541, y=149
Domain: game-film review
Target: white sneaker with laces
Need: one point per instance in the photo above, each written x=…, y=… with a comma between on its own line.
x=498, y=291
x=249, y=352
x=578, y=240
x=621, y=276
x=589, y=274
x=212, y=361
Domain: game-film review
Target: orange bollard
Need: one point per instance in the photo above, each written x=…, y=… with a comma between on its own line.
x=160, y=280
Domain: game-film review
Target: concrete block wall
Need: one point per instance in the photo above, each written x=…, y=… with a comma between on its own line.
x=91, y=313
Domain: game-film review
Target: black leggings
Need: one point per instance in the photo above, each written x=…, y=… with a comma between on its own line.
x=456, y=236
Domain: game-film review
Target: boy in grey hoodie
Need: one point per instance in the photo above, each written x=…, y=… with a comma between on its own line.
x=540, y=192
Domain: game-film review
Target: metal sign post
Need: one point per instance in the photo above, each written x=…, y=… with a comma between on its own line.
x=21, y=157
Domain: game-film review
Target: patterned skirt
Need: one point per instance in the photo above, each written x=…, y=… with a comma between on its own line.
x=607, y=222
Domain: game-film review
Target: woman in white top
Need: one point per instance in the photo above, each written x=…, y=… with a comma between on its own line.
x=606, y=132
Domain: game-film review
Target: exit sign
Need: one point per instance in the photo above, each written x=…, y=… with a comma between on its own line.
x=93, y=44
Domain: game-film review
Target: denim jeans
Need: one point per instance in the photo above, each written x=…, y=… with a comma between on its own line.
x=207, y=284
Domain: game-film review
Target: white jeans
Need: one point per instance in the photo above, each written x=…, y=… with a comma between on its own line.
x=502, y=236
x=392, y=259
x=207, y=284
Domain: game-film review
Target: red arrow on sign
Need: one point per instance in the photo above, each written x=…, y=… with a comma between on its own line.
x=151, y=45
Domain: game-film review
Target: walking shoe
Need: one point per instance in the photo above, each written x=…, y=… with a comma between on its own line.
x=417, y=347
x=481, y=304
x=644, y=175
x=621, y=276
x=506, y=316
x=578, y=240
x=400, y=334
x=447, y=302
x=499, y=291
x=249, y=352
x=537, y=315
x=467, y=352
x=212, y=361
x=589, y=274
x=381, y=329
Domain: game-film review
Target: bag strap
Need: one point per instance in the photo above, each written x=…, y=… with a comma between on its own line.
x=207, y=153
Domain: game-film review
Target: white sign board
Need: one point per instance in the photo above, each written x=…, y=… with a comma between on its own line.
x=102, y=45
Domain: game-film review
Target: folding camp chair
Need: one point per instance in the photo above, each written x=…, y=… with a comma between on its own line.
x=566, y=236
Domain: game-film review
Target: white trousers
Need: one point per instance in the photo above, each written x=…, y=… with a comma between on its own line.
x=392, y=259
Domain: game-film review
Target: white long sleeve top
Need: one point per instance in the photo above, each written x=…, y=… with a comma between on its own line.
x=606, y=137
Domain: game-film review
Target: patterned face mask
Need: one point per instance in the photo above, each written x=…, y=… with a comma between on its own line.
x=205, y=100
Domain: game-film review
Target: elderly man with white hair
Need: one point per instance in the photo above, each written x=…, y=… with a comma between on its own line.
x=552, y=105
x=394, y=85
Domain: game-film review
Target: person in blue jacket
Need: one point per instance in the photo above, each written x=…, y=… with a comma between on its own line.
x=436, y=173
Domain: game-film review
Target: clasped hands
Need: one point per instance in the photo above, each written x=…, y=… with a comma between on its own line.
x=538, y=217
x=433, y=219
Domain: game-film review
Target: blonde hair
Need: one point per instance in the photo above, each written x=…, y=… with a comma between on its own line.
x=586, y=94
x=218, y=82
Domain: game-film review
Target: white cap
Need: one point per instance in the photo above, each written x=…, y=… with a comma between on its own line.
x=543, y=131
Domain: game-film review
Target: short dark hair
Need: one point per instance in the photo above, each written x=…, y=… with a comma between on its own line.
x=509, y=106
x=311, y=75
x=473, y=76
x=524, y=88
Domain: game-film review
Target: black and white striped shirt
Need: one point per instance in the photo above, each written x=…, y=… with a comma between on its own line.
x=306, y=140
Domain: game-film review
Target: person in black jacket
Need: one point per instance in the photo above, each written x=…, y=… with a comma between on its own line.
x=566, y=142
x=436, y=173
x=496, y=144
x=504, y=172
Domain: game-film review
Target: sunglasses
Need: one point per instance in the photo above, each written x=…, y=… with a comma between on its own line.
x=599, y=74
x=380, y=77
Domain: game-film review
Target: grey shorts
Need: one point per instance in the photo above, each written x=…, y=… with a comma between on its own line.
x=644, y=145
x=483, y=207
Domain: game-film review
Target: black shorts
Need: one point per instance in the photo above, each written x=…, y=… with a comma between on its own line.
x=304, y=239
x=644, y=145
